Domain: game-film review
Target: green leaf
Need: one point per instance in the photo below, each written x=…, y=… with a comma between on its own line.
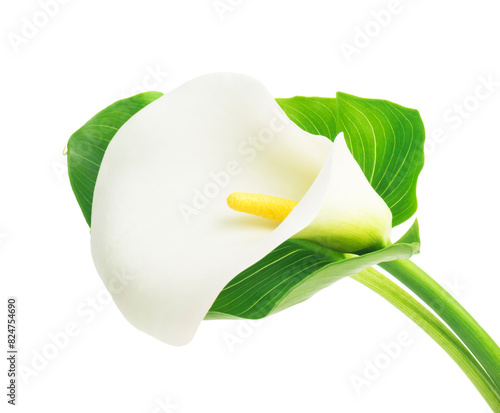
x=386, y=139
x=295, y=271
x=387, y=142
x=312, y=114
x=86, y=147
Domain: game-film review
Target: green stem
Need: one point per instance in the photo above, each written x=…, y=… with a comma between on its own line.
x=451, y=312
x=441, y=334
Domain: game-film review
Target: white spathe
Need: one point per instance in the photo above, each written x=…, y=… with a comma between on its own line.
x=353, y=217
x=164, y=241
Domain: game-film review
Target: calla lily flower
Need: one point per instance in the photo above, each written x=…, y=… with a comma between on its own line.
x=206, y=181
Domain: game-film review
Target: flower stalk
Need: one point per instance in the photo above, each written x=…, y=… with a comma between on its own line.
x=452, y=313
x=437, y=330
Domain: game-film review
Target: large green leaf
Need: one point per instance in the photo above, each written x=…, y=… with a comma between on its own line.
x=295, y=271
x=386, y=139
x=87, y=145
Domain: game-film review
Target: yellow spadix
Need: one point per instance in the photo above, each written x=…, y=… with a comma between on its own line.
x=265, y=206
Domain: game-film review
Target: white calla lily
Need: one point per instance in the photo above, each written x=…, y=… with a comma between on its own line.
x=164, y=240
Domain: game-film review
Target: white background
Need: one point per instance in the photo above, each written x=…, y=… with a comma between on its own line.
x=430, y=56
